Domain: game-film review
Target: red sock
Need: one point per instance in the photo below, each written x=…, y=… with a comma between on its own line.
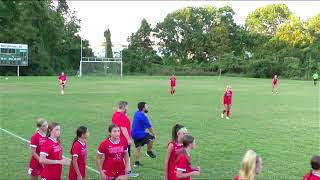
x=171, y=92
x=224, y=111
x=174, y=91
x=228, y=113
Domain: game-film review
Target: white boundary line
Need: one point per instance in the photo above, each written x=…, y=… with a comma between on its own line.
x=26, y=141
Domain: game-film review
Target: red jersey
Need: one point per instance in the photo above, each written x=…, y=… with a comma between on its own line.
x=63, y=78
x=36, y=141
x=183, y=164
x=274, y=80
x=311, y=176
x=120, y=119
x=227, y=98
x=79, y=150
x=173, y=81
x=113, y=164
x=172, y=160
x=236, y=178
x=53, y=151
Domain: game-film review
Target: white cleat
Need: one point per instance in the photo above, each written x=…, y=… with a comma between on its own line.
x=227, y=118
x=62, y=93
x=222, y=116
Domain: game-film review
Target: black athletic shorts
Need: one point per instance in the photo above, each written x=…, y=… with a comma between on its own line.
x=145, y=140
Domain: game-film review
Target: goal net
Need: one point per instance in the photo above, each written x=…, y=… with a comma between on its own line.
x=90, y=66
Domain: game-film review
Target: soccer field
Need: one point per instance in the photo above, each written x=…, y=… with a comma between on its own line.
x=284, y=129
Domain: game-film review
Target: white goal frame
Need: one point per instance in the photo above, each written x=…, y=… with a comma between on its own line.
x=100, y=60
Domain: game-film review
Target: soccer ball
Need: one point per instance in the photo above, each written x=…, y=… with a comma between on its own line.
x=6, y=78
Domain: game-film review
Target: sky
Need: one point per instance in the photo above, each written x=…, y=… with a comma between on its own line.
x=124, y=17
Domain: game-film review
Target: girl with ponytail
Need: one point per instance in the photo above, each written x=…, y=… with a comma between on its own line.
x=78, y=152
x=51, y=154
x=174, y=146
x=36, y=141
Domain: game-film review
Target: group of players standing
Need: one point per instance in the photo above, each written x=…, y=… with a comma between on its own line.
x=113, y=154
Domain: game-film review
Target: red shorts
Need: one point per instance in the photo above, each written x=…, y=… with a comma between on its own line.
x=173, y=85
x=35, y=171
x=227, y=103
x=113, y=174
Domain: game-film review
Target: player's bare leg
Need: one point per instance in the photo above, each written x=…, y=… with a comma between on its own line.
x=34, y=177
x=225, y=107
x=273, y=88
x=228, y=111
x=137, y=155
x=122, y=177
x=149, y=146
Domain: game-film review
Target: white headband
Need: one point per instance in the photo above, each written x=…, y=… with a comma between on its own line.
x=184, y=129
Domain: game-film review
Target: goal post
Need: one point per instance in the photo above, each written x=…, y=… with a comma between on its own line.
x=94, y=66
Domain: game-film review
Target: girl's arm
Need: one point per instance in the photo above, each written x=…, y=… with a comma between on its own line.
x=34, y=153
x=127, y=161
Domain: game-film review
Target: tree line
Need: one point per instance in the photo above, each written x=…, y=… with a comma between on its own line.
x=206, y=40
x=191, y=41
x=50, y=31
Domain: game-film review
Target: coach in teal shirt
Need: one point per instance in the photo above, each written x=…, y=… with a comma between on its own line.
x=139, y=133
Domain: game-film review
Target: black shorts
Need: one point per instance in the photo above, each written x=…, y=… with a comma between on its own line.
x=145, y=140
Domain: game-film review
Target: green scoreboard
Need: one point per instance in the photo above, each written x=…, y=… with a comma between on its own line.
x=13, y=54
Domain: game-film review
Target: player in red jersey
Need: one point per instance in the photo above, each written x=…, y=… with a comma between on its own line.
x=226, y=102
x=121, y=119
x=251, y=166
x=62, y=82
x=275, y=84
x=36, y=141
x=174, y=147
x=173, y=80
x=314, y=173
x=116, y=163
x=77, y=170
x=51, y=154
x=183, y=168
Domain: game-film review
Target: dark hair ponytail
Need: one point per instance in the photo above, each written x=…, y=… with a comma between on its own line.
x=80, y=131
x=175, y=130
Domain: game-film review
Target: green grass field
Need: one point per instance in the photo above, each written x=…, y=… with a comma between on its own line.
x=284, y=129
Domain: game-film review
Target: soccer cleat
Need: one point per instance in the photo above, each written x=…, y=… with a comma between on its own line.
x=131, y=174
x=227, y=118
x=137, y=164
x=62, y=93
x=150, y=154
x=222, y=116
